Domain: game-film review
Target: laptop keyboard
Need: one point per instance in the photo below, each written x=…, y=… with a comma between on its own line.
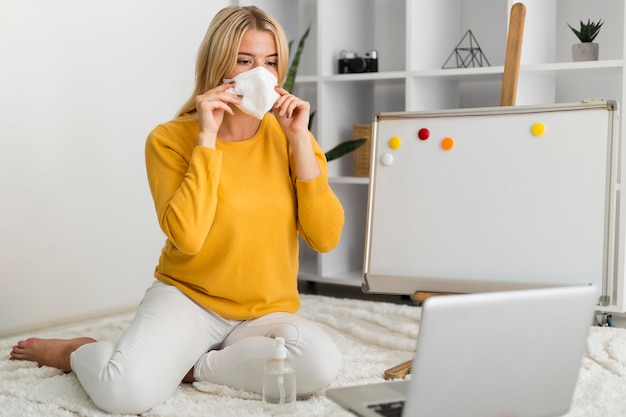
x=392, y=409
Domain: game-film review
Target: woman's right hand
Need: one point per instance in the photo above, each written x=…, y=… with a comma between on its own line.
x=210, y=108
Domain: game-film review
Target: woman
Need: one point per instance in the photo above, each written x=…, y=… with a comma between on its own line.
x=234, y=187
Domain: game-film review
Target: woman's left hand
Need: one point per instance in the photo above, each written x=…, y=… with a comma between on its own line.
x=293, y=115
x=292, y=112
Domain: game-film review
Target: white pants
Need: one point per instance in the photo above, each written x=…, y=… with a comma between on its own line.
x=170, y=334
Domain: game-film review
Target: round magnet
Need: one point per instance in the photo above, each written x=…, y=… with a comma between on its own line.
x=423, y=134
x=538, y=129
x=395, y=142
x=447, y=144
x=386, y=159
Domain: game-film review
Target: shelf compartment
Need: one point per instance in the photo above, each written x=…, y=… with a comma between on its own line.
x=611, y=36
x=362, y=26
x=305, y=11
x=350, y=103
x=591, y=86
x=436, y=28
x=348, y=255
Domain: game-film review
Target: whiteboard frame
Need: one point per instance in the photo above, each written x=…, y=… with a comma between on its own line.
x=612, y=285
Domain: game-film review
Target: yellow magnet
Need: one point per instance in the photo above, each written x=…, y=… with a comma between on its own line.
x=447, y=144
x=395, y=142
x=538, y=129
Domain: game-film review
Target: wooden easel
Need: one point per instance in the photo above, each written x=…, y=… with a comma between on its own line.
x=507, y=98
x=513, y=55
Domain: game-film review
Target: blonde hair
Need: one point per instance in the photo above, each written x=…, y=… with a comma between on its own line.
x=217, y=55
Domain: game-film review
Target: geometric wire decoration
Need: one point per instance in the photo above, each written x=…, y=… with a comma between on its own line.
x=469, y=55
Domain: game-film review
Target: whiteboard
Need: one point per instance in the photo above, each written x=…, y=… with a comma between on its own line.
x=492, y=198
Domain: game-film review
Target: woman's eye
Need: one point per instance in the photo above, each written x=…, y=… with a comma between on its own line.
x=271, y=64
x=244, y=61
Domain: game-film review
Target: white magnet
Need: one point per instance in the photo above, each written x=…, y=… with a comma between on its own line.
x=386, y=159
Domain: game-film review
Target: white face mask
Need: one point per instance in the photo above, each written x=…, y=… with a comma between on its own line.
x=257, y=88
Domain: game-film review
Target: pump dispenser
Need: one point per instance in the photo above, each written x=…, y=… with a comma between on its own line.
x=279, y=382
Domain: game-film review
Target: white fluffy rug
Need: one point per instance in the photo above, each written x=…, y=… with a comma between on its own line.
x=373, y=336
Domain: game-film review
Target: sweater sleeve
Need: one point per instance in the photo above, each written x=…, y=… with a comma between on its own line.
x=183, y=182
x=320, y=213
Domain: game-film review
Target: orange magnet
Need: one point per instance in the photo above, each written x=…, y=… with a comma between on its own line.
x=538, y=129
x=395, y=142
x=447, y=144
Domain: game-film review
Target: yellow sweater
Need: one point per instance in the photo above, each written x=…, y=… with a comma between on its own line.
x=232, y=217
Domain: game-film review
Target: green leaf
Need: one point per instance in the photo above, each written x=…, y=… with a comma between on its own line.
x=588, y=31
x=293, y=68
x=311, y=116
x=344, y=148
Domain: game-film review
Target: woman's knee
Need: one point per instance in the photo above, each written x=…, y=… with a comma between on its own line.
x=119, y=387
x=130, y=395
x=318, y=366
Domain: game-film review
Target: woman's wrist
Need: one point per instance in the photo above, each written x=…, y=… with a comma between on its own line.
x=206, y=139
x=307, y=166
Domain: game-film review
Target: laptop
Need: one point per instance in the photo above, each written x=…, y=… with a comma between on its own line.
x=493, y=354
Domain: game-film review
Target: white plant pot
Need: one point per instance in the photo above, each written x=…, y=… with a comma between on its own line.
x=586, y=51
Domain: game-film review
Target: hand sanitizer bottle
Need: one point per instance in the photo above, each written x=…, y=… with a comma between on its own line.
x=279, y=382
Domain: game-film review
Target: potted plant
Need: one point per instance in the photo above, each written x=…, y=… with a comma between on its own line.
x=586, y=50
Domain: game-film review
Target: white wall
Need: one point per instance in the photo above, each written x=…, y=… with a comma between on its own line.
x=82, y=82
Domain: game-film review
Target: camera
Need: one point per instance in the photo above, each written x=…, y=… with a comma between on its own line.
x=351, y=62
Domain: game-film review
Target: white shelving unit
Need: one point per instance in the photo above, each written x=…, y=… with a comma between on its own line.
x=413, y=39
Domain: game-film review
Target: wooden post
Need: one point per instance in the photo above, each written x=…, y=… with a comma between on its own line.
x=513, y=55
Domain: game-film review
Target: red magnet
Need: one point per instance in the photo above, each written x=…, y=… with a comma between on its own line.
x=423, y=134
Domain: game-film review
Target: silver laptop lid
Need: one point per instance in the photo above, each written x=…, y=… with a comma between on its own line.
x=514, y=353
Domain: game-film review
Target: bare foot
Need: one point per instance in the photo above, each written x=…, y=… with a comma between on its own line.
x=49, y=352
